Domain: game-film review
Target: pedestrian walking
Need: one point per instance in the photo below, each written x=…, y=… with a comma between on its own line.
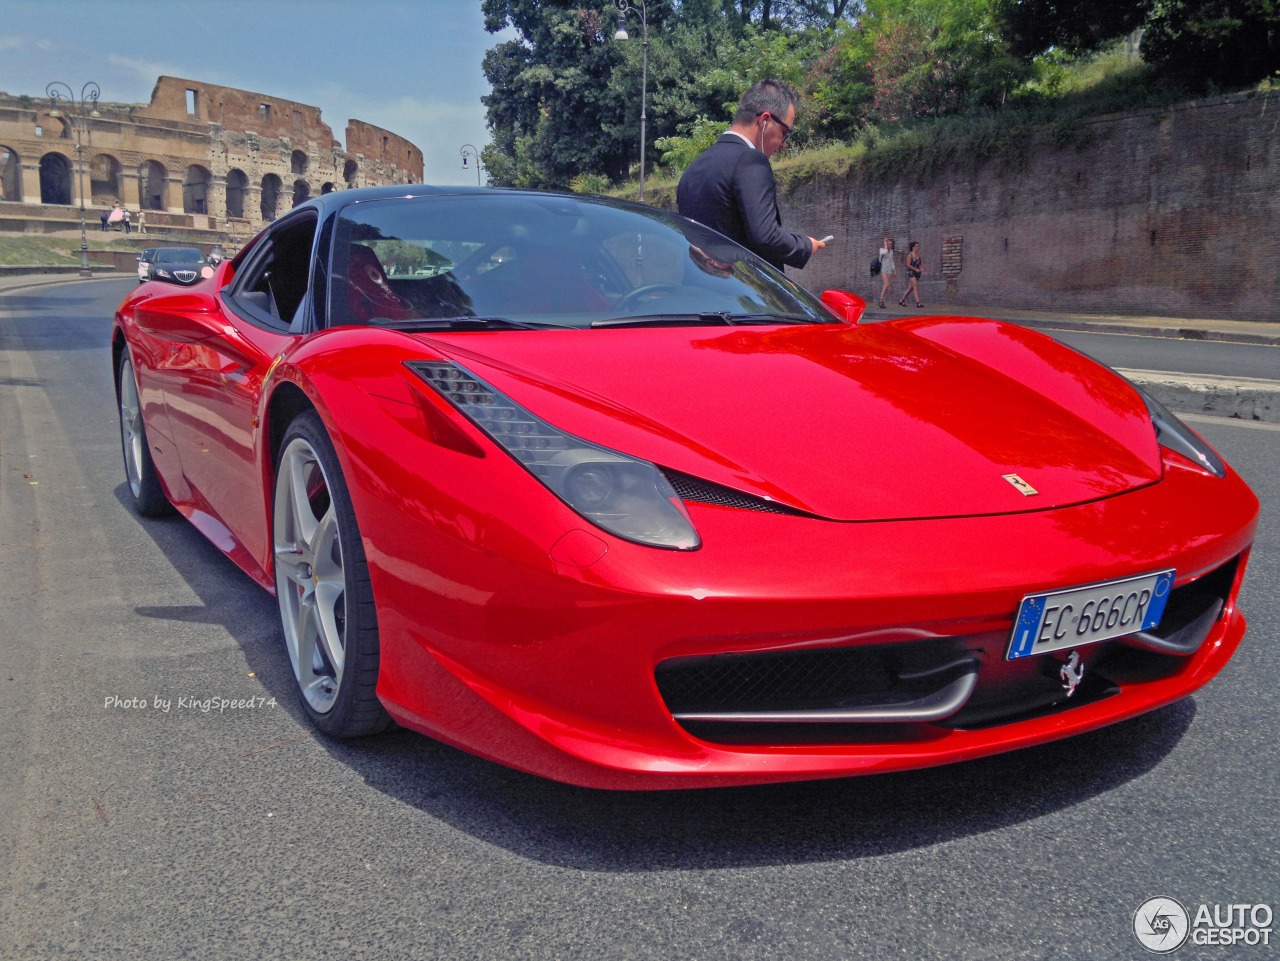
x=887, y=268
x=915, y=270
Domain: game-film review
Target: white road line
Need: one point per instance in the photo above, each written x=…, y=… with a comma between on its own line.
x=1228, y=421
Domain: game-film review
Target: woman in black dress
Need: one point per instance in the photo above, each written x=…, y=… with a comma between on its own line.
x=915, y=268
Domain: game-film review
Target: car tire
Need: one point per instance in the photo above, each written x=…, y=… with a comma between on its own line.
x=139, y=469
x=326, y=600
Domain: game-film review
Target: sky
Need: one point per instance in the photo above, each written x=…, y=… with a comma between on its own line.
x=409, y=66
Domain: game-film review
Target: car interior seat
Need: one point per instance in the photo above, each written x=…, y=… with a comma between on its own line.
x=369, y=293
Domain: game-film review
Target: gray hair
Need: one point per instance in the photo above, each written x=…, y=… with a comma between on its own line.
x=767, y=96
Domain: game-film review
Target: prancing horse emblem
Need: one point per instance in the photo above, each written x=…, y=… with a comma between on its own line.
x=1072, y=673
x=1020, y=485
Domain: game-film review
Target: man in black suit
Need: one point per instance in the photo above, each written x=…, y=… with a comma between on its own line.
x=730, y=187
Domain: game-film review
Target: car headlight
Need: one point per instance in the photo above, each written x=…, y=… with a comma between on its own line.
x=1170, y=432
x=161, y=272
x=623, y=495
x=1177, y=436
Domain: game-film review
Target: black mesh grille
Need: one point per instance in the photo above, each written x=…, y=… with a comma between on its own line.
x=864, y=675
x=704, y=492
x=755, y=682
x=1191, y=600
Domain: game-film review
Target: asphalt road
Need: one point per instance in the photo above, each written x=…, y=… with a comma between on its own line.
x=140, y=819
x=1169, y=353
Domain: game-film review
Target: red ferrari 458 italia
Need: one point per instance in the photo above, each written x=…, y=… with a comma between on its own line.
x=586, y=489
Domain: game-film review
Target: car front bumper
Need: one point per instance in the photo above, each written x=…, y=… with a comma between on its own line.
x=555, y=665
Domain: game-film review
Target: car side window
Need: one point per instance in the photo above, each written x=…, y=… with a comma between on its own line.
x=274, y=283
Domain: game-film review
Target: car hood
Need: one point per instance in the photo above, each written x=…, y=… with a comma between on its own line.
x=910, y=419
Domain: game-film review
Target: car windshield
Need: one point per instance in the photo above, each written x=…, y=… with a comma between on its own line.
x=179, y=255
x=533, y=261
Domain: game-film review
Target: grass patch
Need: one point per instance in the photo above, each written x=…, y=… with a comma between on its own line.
x=25, y=250
x=35, y=250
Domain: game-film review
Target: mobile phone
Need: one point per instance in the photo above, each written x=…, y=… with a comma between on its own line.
x=828, y=238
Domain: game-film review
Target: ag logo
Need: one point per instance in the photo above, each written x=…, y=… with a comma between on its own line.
x=1161, y=925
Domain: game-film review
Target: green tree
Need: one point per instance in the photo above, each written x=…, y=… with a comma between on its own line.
x=1077, y=26
x=566, y=96
x=1228, y=41
x=553, y=110
x=937, y=57
x=839, y=85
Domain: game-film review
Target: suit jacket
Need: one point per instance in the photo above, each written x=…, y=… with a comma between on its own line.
x=730, y=188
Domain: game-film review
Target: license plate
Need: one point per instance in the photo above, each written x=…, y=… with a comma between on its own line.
x=1082, y=615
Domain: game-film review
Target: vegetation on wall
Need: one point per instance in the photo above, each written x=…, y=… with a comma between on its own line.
x=892, y=85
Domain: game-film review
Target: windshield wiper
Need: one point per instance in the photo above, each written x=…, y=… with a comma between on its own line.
x=699, y=319
x=773, y=319
x=459, y=323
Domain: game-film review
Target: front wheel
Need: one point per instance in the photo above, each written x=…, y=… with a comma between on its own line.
x=322, y=585
x=139, y=468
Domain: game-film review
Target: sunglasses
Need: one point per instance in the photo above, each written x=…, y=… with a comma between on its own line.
x=786, y=128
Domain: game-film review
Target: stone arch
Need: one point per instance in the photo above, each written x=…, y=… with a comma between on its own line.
x=301, y=192
x=51, y=127
x=10, y=175
x=298, y=162
x=271, y=185
x=153, y=186
x=349, y=171
x=237, y=189
x=105, y=180
x=328, y=187
x=55, y=180
x=196, y=184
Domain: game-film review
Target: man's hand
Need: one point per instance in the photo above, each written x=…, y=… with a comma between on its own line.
x=817, y=245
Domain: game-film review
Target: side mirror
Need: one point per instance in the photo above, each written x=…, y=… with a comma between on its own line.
x=848, y=307
x=224, y=273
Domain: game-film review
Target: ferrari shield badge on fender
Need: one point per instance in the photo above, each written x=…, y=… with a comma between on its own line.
x=1020, y=485
x=1072, y=673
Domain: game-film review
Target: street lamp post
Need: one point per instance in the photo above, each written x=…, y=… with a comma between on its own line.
x=89, y=94
x=625, y=8
x=469, y=150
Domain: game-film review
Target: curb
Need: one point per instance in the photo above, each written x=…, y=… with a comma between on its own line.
x=1178, y=333
x=1238, y=398
x=27, y=281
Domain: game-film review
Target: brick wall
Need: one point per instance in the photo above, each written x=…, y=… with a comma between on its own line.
x=1172, y=212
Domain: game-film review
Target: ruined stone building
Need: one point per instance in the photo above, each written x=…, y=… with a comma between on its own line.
x=198, y=156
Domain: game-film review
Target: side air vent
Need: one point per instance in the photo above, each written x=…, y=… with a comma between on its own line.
x=704, y=492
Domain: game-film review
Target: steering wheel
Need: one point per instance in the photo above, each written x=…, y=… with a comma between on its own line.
x=633, y=298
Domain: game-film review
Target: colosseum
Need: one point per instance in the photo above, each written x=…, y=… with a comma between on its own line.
x=210, y=161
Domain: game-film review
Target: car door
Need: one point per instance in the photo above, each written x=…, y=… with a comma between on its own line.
x=215, y=387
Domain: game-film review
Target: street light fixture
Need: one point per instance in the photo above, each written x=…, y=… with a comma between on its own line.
x=89, y=94
x=625, y=8
x=469, y=150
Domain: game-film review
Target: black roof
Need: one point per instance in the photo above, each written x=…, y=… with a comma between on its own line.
x=337, y=199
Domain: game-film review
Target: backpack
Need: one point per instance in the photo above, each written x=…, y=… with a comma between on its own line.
x=875, y=267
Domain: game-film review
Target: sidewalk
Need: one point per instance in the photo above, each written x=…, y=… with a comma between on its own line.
x=61, y=275
x=1243, y=398
x=1231, y=331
